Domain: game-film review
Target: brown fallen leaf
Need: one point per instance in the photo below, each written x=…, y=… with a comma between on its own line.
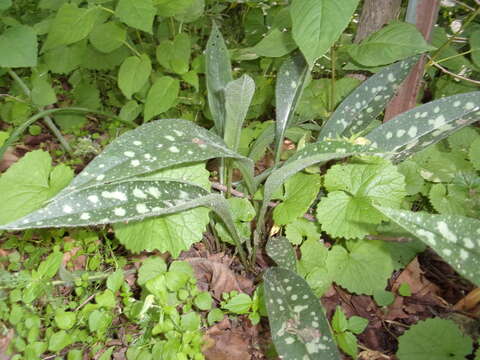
x=222, y=342
x=9, y=158
x=218, y=278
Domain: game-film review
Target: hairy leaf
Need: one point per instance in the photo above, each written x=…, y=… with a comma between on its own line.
x=290, y=83
x=300, y=329
x=453, y=237
x=18, y=47
x=138, y=14
x=281, y=251
x=368, y=101
x=316, y=25
x=425, y=125
x=218, y=70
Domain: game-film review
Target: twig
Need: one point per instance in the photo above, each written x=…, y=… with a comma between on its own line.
x=448, y=72
x=87, y=300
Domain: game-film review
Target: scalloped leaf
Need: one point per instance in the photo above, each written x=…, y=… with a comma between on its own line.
x=367, y=101
x=290, y=83
x=453, y=237
x=151, y=147
x=281, y=251
x=299, y=327
x=425, y=125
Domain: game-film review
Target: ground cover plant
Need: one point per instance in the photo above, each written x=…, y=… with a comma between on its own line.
x=185, y=193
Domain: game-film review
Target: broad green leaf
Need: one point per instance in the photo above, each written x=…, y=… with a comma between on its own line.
x=425, y=125
x=65, y=59
x=151, y=147
x=474, y=154
x=413, y=180
x=167, y=8
x=133, y=74
x=150, y=269
x=474, y=40
x=239, y=304
x=18, y=47
x=175, y=55
x=455, y=199
x=218, y=70
x=394, y=42
x=310, y=155
x=242, y=213
x=317, y=25
x=363, y=268
x=348, y=343
x=130, y=111
x=42, y=92
x=276, y=43
x=65, y=319
x=138, y=14
x=191, y=13
x=5, y=4
x=299, y=327
x=448, y=55
x=59, y=341
x=161, y=96
x=453, y=237
x=115, y=280
x=434, y=339
x=107, y=37
x=96, y=60
x=348, y=209
x=290, y=83
x=301, y=228
x=30, y=182
x=281, y=251
x=238, y=96
x=175, y=232
x=367, y=102
x=71, y=24
x=300, y=192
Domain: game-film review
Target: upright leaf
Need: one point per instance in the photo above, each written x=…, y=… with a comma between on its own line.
x=108, y=36
x=133, y=74
x=391, y=43
x=71, y=24
x=425, y=125
x=317, y=24
x=299, y=327
x=138, y=14
x=453, y=237
x=290, y=83
x=151, y=147
x=366, y=102
x=219, y=73
x=238, y=96
x=281, y=251
x=161, y=96
x=18, y=47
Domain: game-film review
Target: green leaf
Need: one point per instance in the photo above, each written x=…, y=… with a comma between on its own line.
x=203, y=301
x=18, y=47
x=161, y=96
x=348, y=343
x=281, y=251
x=425, y=125
x=367, y=102
x=317, y=25
x=455, y=62
x=65, y=319
x=59, y=341
x=65, y=59
x=106, y=299
x=108, y=37
x=175, y=55
x=453, y=237
x=394, y=42
x=474, y=40
x=42, y=92
x=107, y=354
x=299, y=327
x=288, y=91
x=133, y=74
x=138, y=14
x=413, y=180
x=191, y=12
x=49, y=267
x=301, y=228
x=99, y=321
x=28, y=183
x=357, y=324
x=173, y=233
x=130, y=111
x=218, y=70
x=5, y=4
x=151, y=268
x=347, y=211
x=243, y=213
x=239, y=304
x=115, y=280
x=453, y=199
x=405, y=290
x=168, y=8
x=276, y=43
x=434, y=339
x=70, y=25
x=238, y=96
x=474, y=154
x=300, y=192
x=362, y=269
x=339, y=321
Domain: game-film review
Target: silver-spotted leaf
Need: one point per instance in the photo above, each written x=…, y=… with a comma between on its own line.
x=281, y=251
x=425, y=125
x=453, y=237
x=151, y=147
x=290, y=83
x=300, y=330
x=366, y=102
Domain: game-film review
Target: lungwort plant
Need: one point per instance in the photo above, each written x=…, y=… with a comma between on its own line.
x=141, y=175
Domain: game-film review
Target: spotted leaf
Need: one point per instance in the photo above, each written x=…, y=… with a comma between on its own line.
x=281, y=251
x=151, y=147
x=455, y=238
x=300, y=330
x=425, y=125
x=366, y=102
x=289, y=88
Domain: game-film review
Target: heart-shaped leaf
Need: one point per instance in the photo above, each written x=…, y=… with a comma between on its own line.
x=425, y=125
x=281, y=251
x=453, y=237
x=299, y=327
x=367, y=101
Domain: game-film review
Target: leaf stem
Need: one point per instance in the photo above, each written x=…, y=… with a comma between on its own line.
x=132, y=49
x=332, y=90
